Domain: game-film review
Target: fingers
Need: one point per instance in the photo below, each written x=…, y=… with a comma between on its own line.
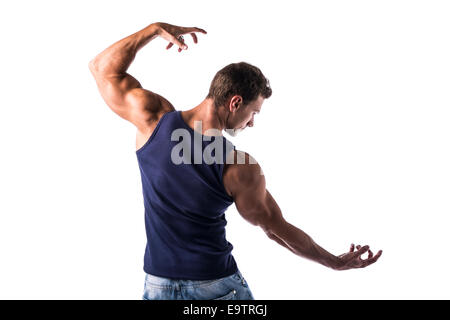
x=356, y=260
x=377, y=255
x=371, y=260
x=194, y=36
x=361, y=250
x=179, y=41
x=195, y=29
x=170, y=45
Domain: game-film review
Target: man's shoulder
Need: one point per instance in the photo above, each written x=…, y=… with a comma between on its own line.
x=152, y=120
x=240, y=171
x=165, y=107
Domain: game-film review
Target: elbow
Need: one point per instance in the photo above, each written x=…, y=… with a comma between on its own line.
x=271, y=235
x=269, y=230
x=273, y=224
x=93, y=66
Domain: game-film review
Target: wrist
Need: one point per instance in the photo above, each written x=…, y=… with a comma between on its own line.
x=155, y=28
x=146, y=35
x=335, y=263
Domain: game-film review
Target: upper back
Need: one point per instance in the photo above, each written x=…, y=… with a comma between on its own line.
x=170, y=173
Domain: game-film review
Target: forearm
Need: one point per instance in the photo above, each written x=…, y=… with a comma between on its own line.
x=116, y=59
x=303, y=245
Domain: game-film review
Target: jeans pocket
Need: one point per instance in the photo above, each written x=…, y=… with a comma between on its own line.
x=229, y=296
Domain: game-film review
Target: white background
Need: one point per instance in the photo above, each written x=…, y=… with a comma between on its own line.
x=354, y=142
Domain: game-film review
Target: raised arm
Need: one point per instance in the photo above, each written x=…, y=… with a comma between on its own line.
x=247, y=185
x=121, y=91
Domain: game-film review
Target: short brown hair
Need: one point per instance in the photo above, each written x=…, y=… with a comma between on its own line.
x=239, y=79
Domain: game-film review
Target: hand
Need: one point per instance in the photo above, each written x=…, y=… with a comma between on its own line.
x=172, y=34
x=352, y=259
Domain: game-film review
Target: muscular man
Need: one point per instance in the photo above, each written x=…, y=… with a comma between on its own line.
x=187, y=254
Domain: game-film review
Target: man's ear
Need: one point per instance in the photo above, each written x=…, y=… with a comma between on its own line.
x=235, y=103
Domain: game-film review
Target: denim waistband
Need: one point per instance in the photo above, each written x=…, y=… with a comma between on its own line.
x=156, y=281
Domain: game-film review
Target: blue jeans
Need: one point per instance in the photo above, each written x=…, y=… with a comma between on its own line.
x=233, y=287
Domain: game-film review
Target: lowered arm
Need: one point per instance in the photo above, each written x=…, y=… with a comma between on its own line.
x=247, y=185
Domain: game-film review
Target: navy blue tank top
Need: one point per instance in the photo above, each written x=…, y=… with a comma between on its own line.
x=184, y=204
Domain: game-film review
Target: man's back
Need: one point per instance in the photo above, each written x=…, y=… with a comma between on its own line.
x=185, y=203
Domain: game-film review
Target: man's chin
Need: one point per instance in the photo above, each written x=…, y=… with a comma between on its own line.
x=233, y=132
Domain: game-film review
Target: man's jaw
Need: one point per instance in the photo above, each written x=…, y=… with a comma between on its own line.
x=234, y=132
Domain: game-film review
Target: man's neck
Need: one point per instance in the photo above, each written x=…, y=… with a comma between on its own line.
x=210, y=116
